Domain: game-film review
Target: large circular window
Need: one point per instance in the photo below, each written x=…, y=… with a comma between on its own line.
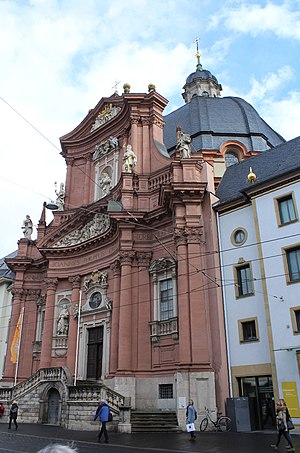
x=239, y=236
x=95, y=300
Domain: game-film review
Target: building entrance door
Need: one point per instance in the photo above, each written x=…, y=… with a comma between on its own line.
x=53, y=407
x=259, y=390
x=95, y=351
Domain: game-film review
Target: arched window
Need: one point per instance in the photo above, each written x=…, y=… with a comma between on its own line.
x=231, y=159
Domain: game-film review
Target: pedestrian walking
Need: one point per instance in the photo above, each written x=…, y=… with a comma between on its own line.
x=191, y=417
x=281, y=420
x=102, y=412
x=13, y=414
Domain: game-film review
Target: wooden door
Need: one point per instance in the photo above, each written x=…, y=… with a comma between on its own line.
x=95, y=351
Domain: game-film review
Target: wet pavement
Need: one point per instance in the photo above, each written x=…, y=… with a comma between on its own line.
x=31, y=437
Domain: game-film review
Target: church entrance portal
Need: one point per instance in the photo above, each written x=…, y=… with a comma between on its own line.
x=53, y=407
x=95, y=350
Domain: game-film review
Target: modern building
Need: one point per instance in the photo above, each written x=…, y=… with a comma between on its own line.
x=120, y=294
x=260, y=260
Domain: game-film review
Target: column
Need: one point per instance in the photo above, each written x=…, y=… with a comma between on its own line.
x=28, y=333
x=47, y=336
x=125, y=324
x=183, y=301
x=70, y=162
x=116, y=270
x=73, y=323
x=198, y=285
x=144, y=313
x=18, y=295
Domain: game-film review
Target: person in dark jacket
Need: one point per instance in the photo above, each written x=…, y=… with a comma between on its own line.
x=102, y=412
x=13, y=415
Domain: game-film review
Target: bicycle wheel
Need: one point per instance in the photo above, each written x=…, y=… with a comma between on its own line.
x=224, y=424
x=203, y=424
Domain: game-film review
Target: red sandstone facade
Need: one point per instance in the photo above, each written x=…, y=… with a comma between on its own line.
x=140, y=283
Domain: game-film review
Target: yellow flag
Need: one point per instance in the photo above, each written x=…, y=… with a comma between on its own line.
x=16, y=341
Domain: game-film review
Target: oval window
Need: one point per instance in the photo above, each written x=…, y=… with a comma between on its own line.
x=95, y=300
x=239, y=236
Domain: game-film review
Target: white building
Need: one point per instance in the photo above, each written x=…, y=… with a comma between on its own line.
x=6, y=279
x=259, y=235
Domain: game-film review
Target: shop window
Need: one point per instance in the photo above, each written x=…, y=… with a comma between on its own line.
x=165, y=391
x=248, y=330
x=243, y=280
x=286, y=210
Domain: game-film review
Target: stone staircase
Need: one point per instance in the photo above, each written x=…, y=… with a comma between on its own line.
x=160, y=421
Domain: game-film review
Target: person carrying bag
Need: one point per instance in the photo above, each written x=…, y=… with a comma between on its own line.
x=191, y=416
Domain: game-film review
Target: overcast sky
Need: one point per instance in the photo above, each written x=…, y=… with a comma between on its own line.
x=59, y=57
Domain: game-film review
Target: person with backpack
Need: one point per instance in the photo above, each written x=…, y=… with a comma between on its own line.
x=191, y=417
x=13, y=414
x=103, y=412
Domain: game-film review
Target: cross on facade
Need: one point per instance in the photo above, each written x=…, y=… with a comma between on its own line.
x=115, y=87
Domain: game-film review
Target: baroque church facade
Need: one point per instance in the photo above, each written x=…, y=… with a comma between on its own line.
x=121, y=295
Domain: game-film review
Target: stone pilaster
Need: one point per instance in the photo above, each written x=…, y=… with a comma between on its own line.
x=72, y=333
x=47, y=335
x=116, y=271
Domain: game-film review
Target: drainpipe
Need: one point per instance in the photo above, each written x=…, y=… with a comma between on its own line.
x=77, y=338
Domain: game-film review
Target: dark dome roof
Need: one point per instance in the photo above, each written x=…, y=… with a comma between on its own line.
x=213, y=120
x=204, y=74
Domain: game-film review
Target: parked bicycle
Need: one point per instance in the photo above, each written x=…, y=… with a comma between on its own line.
x=222, y=423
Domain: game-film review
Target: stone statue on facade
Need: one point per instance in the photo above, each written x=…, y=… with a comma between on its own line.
x=110, y=145
x=184, y=141
x=129, y=160
x=60, y=194
x=63, y=321
x=105, y=183
x=27, y=227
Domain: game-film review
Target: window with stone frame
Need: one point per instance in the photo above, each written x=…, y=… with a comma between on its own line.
x=295, y=315
x=243, y=280
x=286, y=211
x=292, y=264
x=248, y=330
x=164, y=280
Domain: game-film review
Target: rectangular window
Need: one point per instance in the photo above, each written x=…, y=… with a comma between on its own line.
x=165, y=391
x=287, y=212
x=248, y=330
x=295, y=315
x=166, y=299
x=293, y=262
x=244, y=283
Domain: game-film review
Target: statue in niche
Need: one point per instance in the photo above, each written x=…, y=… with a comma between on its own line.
x=129, y=160
x=63, y=321
x=27, y=227
x=184, y=141
x=60, y=194
x=105, y=183
x=75, y=311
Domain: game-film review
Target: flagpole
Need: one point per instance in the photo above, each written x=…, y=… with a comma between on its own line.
x=19, y=346
x=77, y=338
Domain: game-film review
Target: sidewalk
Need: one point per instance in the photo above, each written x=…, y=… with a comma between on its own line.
x=31, y=437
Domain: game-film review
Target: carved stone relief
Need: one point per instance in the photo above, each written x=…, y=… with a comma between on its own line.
x=95, y=287
x=108, y=113
x=99, y=225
